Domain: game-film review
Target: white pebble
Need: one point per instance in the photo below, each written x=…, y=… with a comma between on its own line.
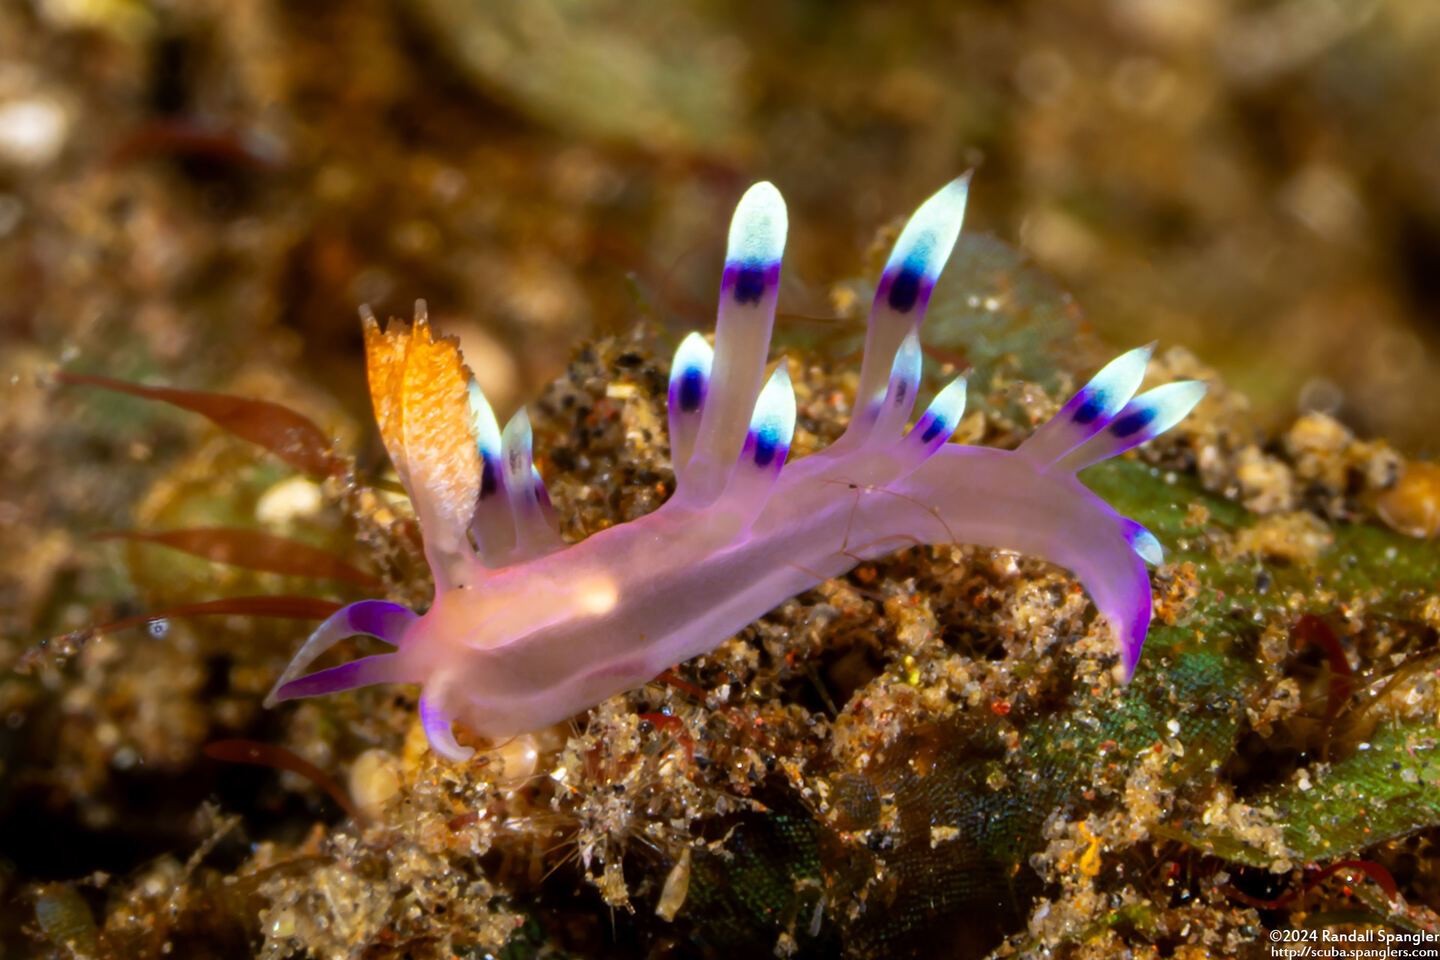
x=374, y=779
x=32, y=131
x=290, y=499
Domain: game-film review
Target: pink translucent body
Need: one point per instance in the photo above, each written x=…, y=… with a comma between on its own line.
x=521, y=637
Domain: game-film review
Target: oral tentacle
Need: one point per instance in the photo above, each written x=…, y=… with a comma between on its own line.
x=381, y=668
x=374, y=618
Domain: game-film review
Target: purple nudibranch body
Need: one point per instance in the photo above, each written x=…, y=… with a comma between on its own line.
x=525, y=631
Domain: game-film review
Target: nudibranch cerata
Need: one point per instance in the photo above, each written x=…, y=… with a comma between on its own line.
x=526, y=630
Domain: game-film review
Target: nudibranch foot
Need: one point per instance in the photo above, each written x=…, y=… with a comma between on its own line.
x=525, y=631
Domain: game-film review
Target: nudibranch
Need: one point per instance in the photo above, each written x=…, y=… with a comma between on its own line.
x=526, y=630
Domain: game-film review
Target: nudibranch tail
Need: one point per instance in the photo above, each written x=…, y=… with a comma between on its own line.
x=749, y=287
x=1102, y=421
x=1119, y=585
x=374, y=618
